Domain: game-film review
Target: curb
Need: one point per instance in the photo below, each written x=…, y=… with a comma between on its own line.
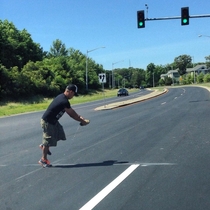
x=131, y=101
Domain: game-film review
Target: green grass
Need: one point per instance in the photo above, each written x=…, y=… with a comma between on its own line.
x=204, y=84
x=38, y=104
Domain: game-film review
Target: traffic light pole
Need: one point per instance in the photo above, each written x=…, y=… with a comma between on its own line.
x=177, y=17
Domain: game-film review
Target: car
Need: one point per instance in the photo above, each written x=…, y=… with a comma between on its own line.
x=122, y=92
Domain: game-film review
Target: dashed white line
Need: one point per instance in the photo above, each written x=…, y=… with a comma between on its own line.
x=158, y=164
x=103, y=193
x=163, y=103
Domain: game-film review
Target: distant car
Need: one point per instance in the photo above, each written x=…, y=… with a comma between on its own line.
x=141, y=87
x=122, y=92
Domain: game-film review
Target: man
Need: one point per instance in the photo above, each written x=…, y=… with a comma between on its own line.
x=52, y=129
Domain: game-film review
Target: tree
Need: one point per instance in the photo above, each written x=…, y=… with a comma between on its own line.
x=94, y=70
x=181, y=62
x=58, y=49
x=206, y=78
x=200, y=78
x=207, y=61
x=149, y=74
x=4, y=78
x=76, y=64
x=161, y=82
x=159, y=69
x=189, y=79
x=17, y=47
x=168, y=81
x=134, y=78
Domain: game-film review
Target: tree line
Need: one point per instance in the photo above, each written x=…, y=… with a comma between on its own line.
x=27, y=70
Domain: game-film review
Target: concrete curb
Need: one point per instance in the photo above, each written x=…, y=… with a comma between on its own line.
x=131, y=101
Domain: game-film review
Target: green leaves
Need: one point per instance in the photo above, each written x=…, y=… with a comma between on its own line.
x=207, y=61
x=17, y=47
x=58, y=49
x=181, y=62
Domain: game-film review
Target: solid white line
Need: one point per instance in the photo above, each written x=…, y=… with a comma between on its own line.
x=103, y=193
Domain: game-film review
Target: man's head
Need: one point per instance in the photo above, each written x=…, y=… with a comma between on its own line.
x=71, y=90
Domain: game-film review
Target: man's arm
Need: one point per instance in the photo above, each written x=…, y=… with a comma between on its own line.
x=75, y=116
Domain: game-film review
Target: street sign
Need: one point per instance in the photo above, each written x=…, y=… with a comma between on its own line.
x=102, y=78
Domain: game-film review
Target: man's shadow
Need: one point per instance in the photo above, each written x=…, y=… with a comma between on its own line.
x=81, y=165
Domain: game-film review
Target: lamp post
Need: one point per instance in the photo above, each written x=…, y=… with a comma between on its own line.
x=193, y=68
x=113, y=72
x=86, y=72
x=172, y=68
x=203, y=35
x=124, y=82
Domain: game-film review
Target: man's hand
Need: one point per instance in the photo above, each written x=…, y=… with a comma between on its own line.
x=84, y=122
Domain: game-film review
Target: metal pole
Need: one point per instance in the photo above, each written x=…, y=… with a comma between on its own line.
x=177, y=17
x=203, y=35
x=147, y=10
x=113, y=72
x=112, y=76
x=194, y=76
x=86, y=74
x=194, y=69
x=172, y=75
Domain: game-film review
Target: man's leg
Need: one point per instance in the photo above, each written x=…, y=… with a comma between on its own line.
x=44, y=152
x=41, y=147
x=44, y=161
x=47, y=130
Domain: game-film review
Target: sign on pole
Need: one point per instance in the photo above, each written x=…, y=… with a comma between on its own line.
x=102, y=78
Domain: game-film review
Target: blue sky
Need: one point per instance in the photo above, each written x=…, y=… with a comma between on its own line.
x=90, y=24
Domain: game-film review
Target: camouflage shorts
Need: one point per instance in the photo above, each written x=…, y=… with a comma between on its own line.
x=52, y=133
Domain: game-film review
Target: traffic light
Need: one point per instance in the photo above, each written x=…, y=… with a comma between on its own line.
x=140, y=19
x=185, y=16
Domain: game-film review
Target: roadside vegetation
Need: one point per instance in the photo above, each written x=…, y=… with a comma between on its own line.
x=31, y=77
x=39, y=103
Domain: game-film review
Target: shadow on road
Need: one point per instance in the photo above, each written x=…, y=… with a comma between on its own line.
x=81, y=165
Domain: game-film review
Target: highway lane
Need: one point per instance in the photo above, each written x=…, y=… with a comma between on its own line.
x=164, y=139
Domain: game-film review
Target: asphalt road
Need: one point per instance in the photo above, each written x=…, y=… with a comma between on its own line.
x=152, y=155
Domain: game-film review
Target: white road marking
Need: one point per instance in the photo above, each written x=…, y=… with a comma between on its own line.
x=163, y=103
x=175, y=98
x=20, y=177
x=103, y=193
x=158, y=164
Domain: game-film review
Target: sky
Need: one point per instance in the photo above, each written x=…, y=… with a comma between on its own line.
x=107, y=29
